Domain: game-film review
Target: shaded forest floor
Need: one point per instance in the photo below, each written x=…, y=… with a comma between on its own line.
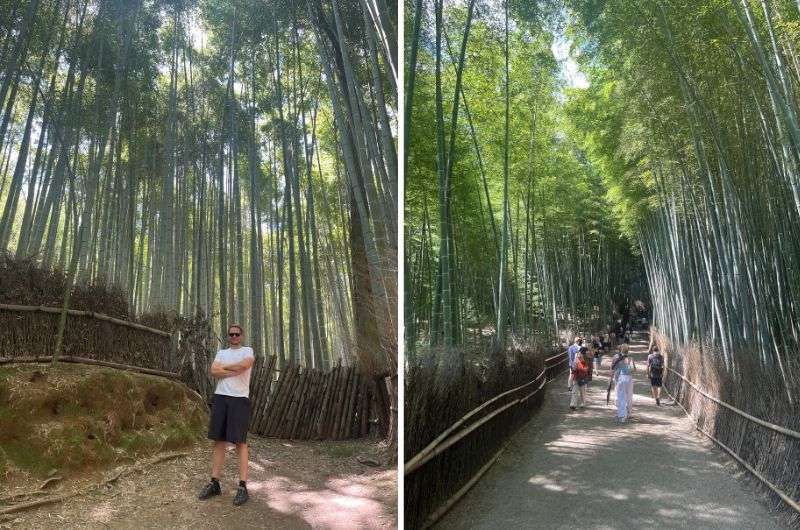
x=567, y=470
x=292, y=485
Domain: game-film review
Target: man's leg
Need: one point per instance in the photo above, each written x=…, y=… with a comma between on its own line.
x=241, y=450
x=217, y=459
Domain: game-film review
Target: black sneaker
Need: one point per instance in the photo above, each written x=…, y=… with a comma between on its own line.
x=658, y=402
x=241, y=496
x=210, y=490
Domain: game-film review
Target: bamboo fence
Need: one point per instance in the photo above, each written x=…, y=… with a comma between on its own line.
x=309, y=404
x=442, y=472
x=699, y=425
x=746, y=414
x=295, y=403
x=27, y=331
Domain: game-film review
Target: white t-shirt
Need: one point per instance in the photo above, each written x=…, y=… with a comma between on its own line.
x=237, y=385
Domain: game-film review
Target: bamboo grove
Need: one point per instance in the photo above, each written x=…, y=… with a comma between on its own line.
x=700, y=134
x=509, y=231
x=236, y=157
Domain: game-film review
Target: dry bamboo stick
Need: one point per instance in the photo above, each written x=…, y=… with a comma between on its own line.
x=347, y=418
x=91, y=314
x=254, y=387
x=294, y=404
x=283, y=382
x=84, y=360
x=269, y=398
x=313, y=405
x=301, y=404
x=340, y=404
x=326, y=403
x=283, y=406
x=320, y=407
x=364, y=431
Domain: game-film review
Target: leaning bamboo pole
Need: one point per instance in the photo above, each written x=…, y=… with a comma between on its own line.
x=91, y=314
x=84, y=360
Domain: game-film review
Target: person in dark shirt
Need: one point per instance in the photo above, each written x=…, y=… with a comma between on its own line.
x=655, y=371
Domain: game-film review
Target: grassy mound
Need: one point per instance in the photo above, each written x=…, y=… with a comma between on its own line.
x=75, y=417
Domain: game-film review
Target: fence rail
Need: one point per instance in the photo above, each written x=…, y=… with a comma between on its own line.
x=777, y=428
x=438, y=445
x=90, y=314
x=27, y=331
x=94, y=362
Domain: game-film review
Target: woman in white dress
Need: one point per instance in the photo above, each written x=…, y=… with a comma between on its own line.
x=622, y=368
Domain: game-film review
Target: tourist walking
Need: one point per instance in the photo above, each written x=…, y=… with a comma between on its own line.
x=599, y=351
x=622, y=367
x=580, y=373
x=655, y=372
x=572, y=351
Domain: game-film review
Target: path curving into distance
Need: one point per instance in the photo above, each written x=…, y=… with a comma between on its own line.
x=581, y=470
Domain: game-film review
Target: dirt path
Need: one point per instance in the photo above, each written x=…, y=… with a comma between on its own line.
x=292, y=485
x=581, y=470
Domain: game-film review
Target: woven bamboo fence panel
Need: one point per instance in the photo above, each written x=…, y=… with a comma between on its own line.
x=29, y=331
x=309, y=404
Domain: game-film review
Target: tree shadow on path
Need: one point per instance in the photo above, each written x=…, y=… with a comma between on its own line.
x=581, y=469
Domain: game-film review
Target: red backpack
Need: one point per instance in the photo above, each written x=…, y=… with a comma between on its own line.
x=581, y=369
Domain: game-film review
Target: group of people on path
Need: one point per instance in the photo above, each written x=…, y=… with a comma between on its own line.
x=583, y=355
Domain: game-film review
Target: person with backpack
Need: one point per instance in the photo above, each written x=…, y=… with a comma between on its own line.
x=655, y=371
x=622, y=368
x=580, y=375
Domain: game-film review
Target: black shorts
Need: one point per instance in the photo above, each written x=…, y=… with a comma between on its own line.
x=230, y=418
x=655, y=380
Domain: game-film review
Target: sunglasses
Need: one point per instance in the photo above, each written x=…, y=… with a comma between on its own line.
x=234, y=334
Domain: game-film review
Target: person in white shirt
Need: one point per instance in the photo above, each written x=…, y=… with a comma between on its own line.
x=230, y=411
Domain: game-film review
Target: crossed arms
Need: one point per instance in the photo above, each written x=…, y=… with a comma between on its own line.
x=220, y=370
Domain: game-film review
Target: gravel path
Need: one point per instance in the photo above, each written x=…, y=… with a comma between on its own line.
x=580, y=469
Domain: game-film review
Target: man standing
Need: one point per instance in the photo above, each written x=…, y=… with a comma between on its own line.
x=230, y=411
x=655, y=371
x=571, y=352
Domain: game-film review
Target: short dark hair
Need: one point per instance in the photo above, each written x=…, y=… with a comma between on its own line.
x=237, y=326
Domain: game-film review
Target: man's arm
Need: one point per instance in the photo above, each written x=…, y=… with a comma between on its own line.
x=220, y=370
x=241, y=366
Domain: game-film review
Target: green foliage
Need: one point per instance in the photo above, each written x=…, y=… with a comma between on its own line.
x=567, y=259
